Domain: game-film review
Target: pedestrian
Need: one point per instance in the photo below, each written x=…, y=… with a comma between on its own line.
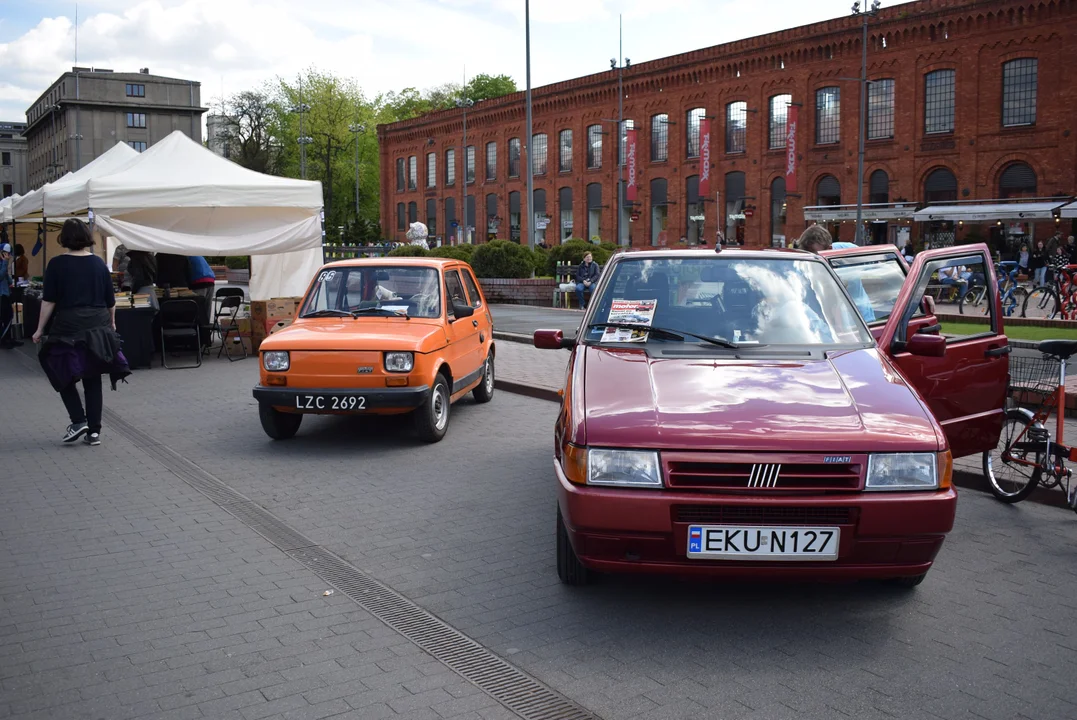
x=22, y=264
x=1037, y=263
x=7, y=313
x=78, y=307
x=1023, y=260
x=202, y=280
x=814, y=240
x=586, y=277
x=1071, y=249
x=142, y=274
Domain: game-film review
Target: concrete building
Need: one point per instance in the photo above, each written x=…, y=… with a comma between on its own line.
x=967, y=100
x=86, y=111
x=12, y=159
x=217, y=134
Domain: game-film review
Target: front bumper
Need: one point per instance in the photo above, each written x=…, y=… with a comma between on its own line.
x=306, y=400
x=882, y=534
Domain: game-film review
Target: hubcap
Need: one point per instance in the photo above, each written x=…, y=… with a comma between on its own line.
x=489, y=375
x=440, y=406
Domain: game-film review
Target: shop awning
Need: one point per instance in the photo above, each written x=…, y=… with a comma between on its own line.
x=870, y=212
x=1069, y=211
x=971, y=212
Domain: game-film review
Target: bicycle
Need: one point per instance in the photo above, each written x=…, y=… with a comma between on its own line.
x=1054, y=301
x=1026, y=456
x=1013, y=294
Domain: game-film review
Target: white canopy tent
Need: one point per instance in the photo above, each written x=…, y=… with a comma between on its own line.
x=179, y=197
x=67, y=197
x=6, y=214
x=29, y=207
x=1069, y=212
x=973, y=212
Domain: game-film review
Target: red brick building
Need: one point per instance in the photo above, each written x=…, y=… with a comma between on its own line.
x=967, y=100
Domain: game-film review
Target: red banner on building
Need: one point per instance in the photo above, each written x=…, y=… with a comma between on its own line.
x=704, y=157
x=791, y=150
x=631, y=190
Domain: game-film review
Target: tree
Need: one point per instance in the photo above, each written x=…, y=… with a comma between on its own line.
x=250, y=119
x=487, y=87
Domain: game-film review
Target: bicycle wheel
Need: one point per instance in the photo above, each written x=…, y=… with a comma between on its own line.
x=1017, y=301
x=1041, y=304
x=970, y=303
x=1011, y=481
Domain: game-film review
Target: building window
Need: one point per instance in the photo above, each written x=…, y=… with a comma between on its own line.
x=879, y=187
x=413, y=172
x=401, y=217
x=564, y=203
x=514, y=216
x=469, y=165
x=431, y=170
x=450, y=166
x=564, y=151
x=939, y=102
x=136, y=120
x=400, y=174
x=450, y=216
x=1019, y=83
x=594, y=211
x=540, y=219
x=136, y=90
x=5, y=159
x=491, y=161
x=493, y=222
x=940, y=186
x=736, y=127
x=594, y=147
x=625, y=127
x=1017, y=180
x=828, y=192
x=659, y=138
x=8, y=190
x=693, y=211
x=514, y=157
x=881, y=109
x=777, y=212
x=694, y=118
x=659, y=215
x=138, y=146
x=469, y=215
x=432, y=216
x=413, y=212
x=827, y=115
x=538, y=154
x=779, y=115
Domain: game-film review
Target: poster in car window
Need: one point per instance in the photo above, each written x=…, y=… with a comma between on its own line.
x=632, y=312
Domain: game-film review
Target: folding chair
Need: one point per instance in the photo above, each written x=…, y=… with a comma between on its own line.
x=230, y=309
x=179, y=324
x=218, y=309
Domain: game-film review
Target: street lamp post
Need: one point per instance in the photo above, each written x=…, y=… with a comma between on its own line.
x=872, y=12
x=464, y=103
x=530, y=131
x=619, y=65
x=355, y=129
x=302, y=109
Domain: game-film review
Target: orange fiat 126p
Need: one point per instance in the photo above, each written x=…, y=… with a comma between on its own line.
x=382, y=336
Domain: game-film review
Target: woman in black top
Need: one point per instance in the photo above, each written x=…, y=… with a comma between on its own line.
x=78, y=308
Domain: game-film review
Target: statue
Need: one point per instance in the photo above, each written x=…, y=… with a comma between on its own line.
x=417, y=235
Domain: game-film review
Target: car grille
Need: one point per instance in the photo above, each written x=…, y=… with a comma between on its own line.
x=764, y=515
x=718, y=476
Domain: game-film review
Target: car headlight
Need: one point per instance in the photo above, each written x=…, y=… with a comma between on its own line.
x=276, y=360
x=623, y=468
x=903, y=471
x=399, y=361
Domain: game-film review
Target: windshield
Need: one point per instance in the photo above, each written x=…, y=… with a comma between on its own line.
x=873, y=281
x=375, y=289
x=746, y=301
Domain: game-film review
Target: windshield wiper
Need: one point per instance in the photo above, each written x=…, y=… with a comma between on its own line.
x=398, y=313
x=672, y=334
x=328, y=312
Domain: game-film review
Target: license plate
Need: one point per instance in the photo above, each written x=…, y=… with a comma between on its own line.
x=738, y=542
x=330, y=403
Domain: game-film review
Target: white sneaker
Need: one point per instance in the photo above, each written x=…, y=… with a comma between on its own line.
x=92, y=438
x=75, y=431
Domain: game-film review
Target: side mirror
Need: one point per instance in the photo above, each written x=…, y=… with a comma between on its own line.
x=552, y=340
x=926, y=345
x=462, y=310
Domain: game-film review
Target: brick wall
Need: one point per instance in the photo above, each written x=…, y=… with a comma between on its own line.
x=906, y=41
x=538, y=292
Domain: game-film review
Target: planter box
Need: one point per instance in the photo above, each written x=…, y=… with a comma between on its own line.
x=238, y=276
x=512, y=291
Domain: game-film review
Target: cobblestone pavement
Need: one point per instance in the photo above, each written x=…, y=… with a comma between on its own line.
x=123, y=593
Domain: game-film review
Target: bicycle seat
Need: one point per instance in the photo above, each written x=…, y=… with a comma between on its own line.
x=1058, y=348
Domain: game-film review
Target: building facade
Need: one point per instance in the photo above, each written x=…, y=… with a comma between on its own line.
x=88, y=110
x=966, y=100
x=12, y=159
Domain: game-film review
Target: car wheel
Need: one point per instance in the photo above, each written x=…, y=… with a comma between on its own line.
x=279, y=425
x=569, y=568
x=908, y=581
x=485, y=391
x=432, y=419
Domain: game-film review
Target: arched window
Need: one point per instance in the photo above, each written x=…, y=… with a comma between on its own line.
x=538, y=153
x=594, y=211
x=827, y=115
x=594, y=146
x=940, y=186
x=828, y=192
x=779, y=116
x=564, y=206
x=777, y=212
x=879, y=187
x=514, y=216
x=1018, y=179
x=450, y=217
x=659, y=216
x=540, y=219
x=1019, y=87
x=694, y=118
x=470, y=218
x=401, y=217
x=693, y=216
x=659, y=138
x=734, y=206
x=493, y=222
x=736, y=127
x=564, y=151
x=432, y=216
x=413, y=212
x=939, y=92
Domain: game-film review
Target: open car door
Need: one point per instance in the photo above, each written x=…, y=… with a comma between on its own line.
x=962, y=374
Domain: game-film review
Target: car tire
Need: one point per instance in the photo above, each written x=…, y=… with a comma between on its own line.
x=278, y=425
x=908, y=582
x=432, y=418
x=569, y=568
x=484, y=393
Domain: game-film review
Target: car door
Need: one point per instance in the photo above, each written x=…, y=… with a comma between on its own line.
x=481, y=318
x=964, y=380
x=463, y=334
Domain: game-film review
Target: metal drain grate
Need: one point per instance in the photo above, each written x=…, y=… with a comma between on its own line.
x=519, y=692
x=514, y=689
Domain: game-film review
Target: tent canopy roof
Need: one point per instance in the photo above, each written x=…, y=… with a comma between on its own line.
x=990, y=211
x=68, y=195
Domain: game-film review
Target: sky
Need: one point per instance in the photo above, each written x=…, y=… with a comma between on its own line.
x=235, y=45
